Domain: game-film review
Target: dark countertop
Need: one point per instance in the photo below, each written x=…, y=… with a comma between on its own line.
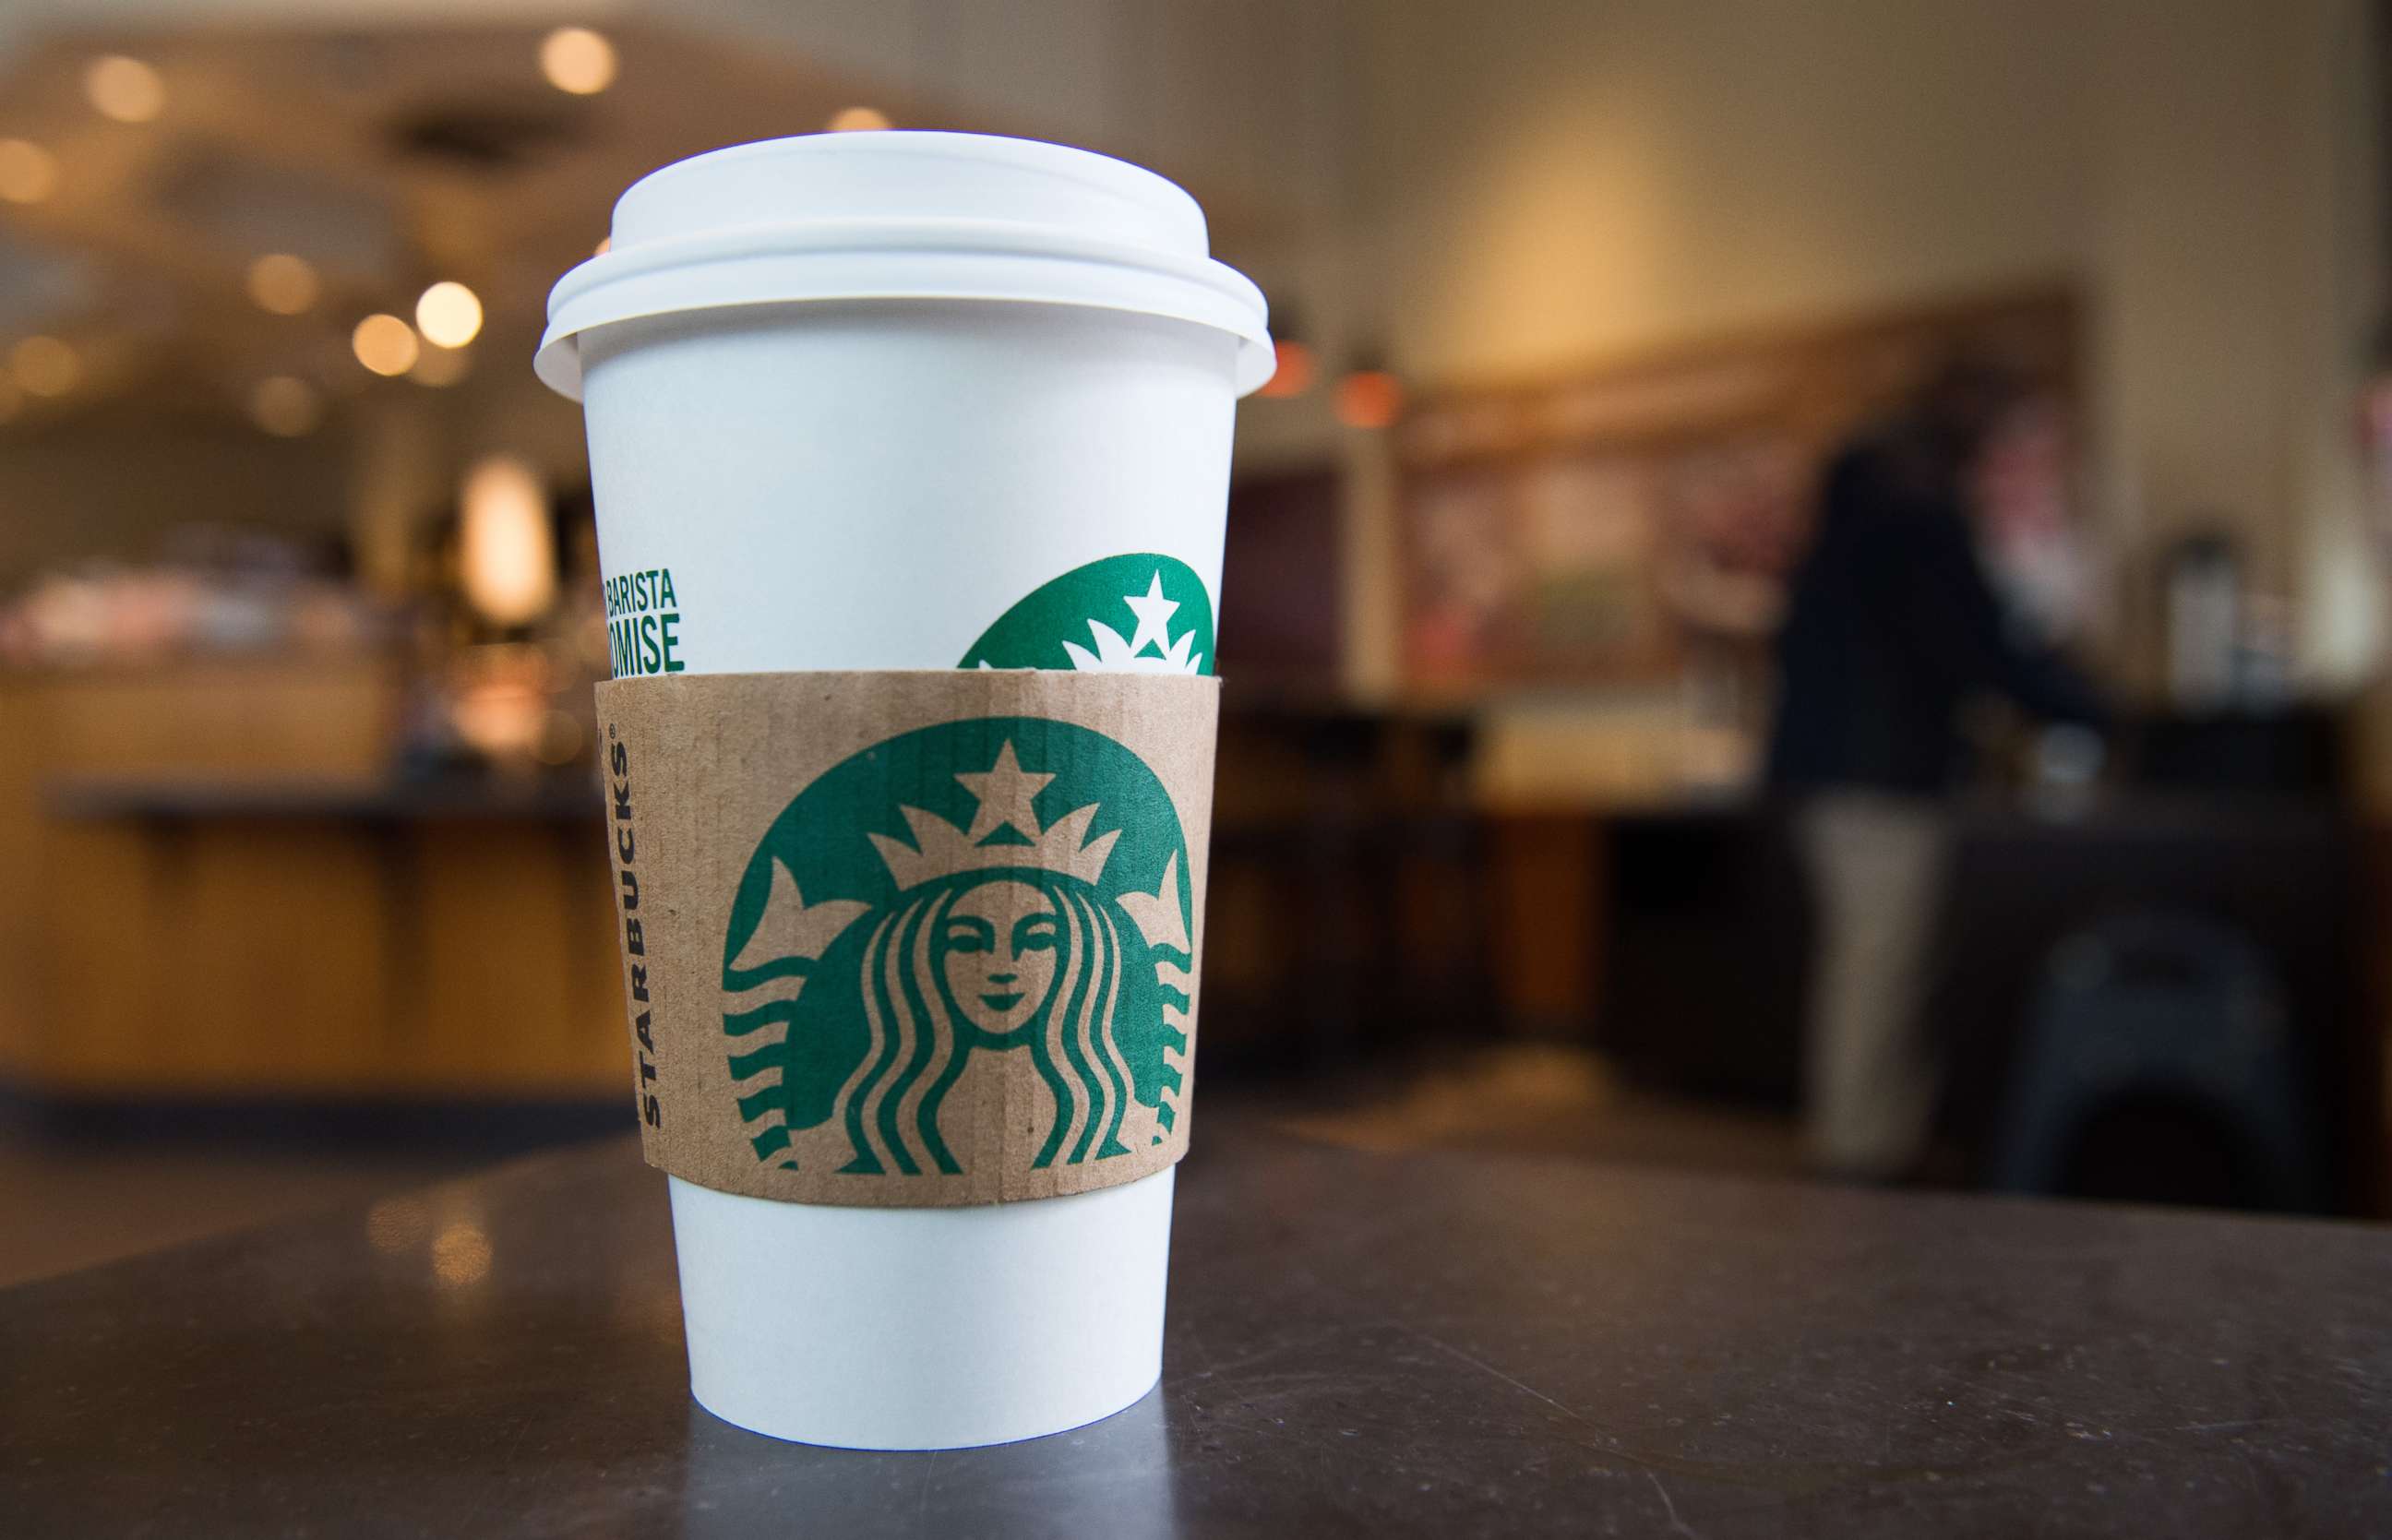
x=1360, y=1345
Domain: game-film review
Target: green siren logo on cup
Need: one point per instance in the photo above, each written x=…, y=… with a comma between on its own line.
x=933, y=907
x=1140, y=613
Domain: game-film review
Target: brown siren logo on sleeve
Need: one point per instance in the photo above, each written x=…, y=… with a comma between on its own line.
x=983, y=891
x=914, y=937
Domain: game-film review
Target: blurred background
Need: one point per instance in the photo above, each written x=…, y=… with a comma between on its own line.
x=1589, y=314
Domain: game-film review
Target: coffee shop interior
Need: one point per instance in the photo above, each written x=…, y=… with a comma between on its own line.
x=1580, y=310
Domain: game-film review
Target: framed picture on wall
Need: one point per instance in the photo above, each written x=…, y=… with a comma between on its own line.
x=1606, y=526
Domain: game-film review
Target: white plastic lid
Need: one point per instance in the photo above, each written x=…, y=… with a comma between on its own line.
x=904, y=216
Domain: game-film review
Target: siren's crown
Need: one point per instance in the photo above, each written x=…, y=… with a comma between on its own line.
x=1006, y=792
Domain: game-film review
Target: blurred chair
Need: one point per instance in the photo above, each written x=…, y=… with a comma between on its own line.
x=1344, y=910
x=2158, y=1063
x=1706, y=940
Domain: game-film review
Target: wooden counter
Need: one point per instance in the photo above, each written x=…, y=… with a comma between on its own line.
x=211, y=890
x=225, y=897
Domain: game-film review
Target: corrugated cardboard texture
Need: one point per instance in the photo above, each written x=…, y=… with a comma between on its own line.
x=901, y=939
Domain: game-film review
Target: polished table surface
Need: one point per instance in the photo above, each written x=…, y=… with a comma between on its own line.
x=1359, y=1344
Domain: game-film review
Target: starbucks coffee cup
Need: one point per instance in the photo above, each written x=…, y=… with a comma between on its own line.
x=905, y=401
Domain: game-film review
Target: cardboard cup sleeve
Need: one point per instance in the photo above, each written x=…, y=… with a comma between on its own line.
x=905, y=940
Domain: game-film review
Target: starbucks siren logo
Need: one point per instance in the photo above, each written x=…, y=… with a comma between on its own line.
x=1078, y=621
x=943, y=901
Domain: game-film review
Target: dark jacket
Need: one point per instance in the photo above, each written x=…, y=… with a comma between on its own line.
x=1893, y=627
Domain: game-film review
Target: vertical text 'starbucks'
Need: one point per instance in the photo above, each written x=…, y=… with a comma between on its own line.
x=635, y=941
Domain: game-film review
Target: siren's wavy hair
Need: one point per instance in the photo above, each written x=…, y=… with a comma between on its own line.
x=915, y=1054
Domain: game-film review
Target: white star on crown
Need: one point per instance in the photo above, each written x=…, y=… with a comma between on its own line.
x=1004, y=792
x=1115, y=655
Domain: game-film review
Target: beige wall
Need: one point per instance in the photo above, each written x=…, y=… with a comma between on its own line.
x=1545, y=183
x=1551, y=182
x=1244, y=99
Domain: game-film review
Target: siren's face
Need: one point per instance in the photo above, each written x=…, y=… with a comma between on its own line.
x=1000, y=941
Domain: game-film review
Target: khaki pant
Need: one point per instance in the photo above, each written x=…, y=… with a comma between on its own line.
x=1875, y=864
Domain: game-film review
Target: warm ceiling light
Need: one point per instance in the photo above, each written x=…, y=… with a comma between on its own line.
x=1294, y=370
x=857, y=120
x=578, y=60
x=125, y=89
x=1369, y=398
x=46, y=366
x=506, y=548
x=285, y=406
x=441, y=366
x=449, y=314
x=282, y=283
x=384, y=345
x=27, y=172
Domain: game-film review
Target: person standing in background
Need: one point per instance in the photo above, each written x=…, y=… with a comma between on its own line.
x=1893, y=630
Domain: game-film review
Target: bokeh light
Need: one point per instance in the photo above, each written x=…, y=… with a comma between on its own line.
x=384, y=343
x=46, y=366
x=578, y=60
x=1369, y=398
x=27, y=172
x=282, y=283
x=1294, y=370
x=460, y=1254
x=449, y=314
x=126, y=89
x=507, y=550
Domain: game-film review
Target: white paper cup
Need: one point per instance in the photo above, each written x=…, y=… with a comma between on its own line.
x=871, y=401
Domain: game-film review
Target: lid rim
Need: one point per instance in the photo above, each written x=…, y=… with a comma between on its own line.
x=843, y=216
x=893, y=237
x=558, y=364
